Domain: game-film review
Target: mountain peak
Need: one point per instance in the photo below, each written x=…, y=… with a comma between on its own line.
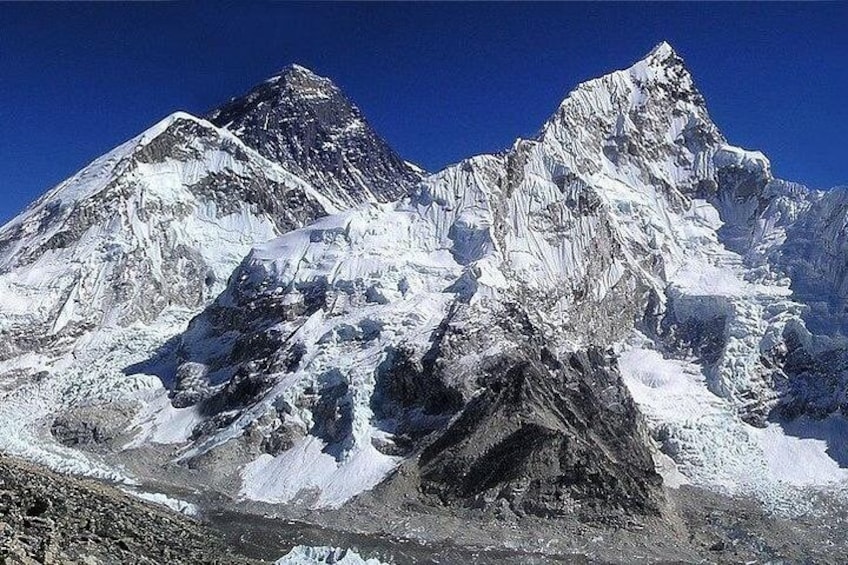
x=297, y=77
x=166, y=123
x=659, y=65
x=662, y=52
x=294, y=68
x=621, y=115
x=305, y=122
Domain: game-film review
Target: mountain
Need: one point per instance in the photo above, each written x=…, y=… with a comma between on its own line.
x=112, y=262
x=344, y=349
x=567, y=330
x=305, y=123
x=115, y=259
x=158, y=222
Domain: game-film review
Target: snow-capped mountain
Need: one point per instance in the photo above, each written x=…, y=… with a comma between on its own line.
x=158, y=222
x=629, y=222
x=117, y=258
x=305, y=123
x=109, y=264
x=539, y=328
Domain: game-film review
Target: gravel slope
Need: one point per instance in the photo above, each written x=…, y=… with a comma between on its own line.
x=50, y=518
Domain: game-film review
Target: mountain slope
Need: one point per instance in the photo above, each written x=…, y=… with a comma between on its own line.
x=113, y=261
x=305, y=123
x=156, y=223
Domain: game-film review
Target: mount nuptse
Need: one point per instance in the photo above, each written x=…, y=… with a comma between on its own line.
x=624, y=298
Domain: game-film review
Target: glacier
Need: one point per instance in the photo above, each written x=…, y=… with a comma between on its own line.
x=308, y=555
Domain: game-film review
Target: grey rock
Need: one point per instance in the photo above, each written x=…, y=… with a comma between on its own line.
x=91, y=425
x=549, y=437
x=52, y=519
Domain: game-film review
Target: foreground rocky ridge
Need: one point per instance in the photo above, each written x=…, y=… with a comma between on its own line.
x=51, y=519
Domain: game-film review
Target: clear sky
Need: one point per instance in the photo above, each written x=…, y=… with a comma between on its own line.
x=439, y=81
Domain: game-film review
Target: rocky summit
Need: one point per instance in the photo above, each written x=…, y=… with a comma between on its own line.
x=271, y=318
x=305, y=123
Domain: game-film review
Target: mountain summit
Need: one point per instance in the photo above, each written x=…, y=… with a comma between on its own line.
x=306, y=124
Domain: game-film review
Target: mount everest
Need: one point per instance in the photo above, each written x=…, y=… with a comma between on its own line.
x=274, y=306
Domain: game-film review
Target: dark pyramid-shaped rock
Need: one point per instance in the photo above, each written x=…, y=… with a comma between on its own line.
x=305, y=123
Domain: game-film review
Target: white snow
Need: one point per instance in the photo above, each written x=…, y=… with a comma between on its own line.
x=729, y=156
x=713, y=447
x=395, y=272
x=310, y=555
x=175, y=504
x=160, y=422
x=305, y=473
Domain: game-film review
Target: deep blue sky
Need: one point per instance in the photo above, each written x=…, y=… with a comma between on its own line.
x=439, y=81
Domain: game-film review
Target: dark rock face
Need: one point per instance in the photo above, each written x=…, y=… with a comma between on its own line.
x=280, y=439
x=305, y=123
x=696, y=326
x=404, y=385
x=816, y=382
x=549, y=437
x=333, y=412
